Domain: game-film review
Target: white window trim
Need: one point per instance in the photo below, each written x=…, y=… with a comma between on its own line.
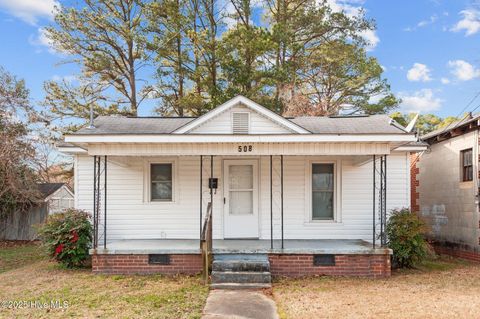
x=337, y=216
x=243, y=112
x=147, y=185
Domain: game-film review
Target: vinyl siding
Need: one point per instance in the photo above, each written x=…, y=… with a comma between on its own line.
x=131, y=217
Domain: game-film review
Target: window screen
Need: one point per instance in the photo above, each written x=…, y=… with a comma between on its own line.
x=161, y=182
x=467, y=165
x=322, y=191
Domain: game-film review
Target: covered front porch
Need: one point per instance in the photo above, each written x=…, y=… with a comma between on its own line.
x=280, y=207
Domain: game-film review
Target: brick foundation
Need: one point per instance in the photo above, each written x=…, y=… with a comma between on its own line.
x=457, y=252
x=374, y=266
x=138, y=264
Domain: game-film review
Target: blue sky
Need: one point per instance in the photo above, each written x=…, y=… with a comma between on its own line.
x=430, y=49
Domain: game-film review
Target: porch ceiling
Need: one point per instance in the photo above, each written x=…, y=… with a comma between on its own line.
x=243, y=149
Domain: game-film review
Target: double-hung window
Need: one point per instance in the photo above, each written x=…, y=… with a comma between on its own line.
x=323, y=194
x=467, y=165
x=161, y=182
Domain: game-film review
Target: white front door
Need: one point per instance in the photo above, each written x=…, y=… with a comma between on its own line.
x=241, y=198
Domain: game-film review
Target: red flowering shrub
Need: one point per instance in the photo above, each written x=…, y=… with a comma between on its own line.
x=67, y=236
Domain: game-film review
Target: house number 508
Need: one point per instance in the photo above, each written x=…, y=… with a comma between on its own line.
x=245, y=148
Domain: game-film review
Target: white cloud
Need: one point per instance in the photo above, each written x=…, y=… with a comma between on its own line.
x=430, y=20
x=41, y=41
x=470, y=22
x=228, y=9
x=420, y=101
x=463, y=70
x=419, y=73
x=445, y=80
x=29, y=10
x=353, y=8
x=372, y=39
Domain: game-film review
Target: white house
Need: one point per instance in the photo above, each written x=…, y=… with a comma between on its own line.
x=314, y=189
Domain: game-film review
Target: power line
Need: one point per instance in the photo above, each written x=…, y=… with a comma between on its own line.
x=461, y=112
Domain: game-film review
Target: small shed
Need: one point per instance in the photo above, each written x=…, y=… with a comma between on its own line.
x=58, y=196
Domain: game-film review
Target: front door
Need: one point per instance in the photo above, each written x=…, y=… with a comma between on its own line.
x=241, y=198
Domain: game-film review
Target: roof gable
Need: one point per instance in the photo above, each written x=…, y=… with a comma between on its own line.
x=49, y=189
x=240, y=103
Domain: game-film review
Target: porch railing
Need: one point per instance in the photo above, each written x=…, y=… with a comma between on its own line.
x=206, y=242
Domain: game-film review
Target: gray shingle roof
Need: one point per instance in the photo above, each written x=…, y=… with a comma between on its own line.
x=47, y=189
x=450, y=127
x=134, y=125
x=375, y=124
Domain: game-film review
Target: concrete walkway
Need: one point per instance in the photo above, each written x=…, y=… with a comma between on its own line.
x=239, y=304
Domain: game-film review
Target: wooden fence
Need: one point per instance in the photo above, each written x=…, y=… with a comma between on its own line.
x=19, y=226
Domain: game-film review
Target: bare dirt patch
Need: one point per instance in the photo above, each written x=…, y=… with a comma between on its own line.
x=442, y=289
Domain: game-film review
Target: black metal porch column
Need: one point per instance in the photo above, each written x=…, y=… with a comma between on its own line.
x=105, y=204
x=94, y=201
x=271, y=202
x=374, y=194
x=384, y=219
x=281, y=193
x=211, y=188
x=381, y=201
x=201, y=193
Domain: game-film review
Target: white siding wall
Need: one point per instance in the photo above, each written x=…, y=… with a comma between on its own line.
x=129, y=216
x=222, y=124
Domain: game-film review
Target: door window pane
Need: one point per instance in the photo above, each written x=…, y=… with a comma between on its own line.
x=161, y=182
x=241, y=202
x=240, y=183
x=241, y=177
x=322, y=191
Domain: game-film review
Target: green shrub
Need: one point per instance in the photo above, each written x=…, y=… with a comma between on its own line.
x=67, y=236
x=405, y=235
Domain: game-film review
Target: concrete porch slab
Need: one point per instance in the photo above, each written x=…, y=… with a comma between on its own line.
x=241, y=246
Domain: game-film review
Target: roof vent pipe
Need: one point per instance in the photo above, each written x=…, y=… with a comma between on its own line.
x=91, y=116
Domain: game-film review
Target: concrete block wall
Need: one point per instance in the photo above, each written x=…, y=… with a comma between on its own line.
x=446, y=203
x=414, y=183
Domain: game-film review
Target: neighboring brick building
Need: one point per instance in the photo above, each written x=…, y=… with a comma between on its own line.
x=444, y=186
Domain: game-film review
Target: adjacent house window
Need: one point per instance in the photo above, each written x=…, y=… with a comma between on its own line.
x=323, y=191
x=161, y=182
x=467, y=165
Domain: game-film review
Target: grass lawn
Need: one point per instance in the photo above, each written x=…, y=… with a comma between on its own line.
x=94, y=296
x=14, y=255
x=444, y=288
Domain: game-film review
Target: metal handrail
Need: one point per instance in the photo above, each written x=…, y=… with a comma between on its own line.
x=206, y=222
x=206, y=243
